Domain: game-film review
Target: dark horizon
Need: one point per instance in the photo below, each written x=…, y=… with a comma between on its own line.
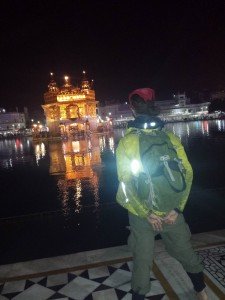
x=171, y=47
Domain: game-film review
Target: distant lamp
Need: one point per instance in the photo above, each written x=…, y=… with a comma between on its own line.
x=51, y=73
x=66, y=78
x=84, y=72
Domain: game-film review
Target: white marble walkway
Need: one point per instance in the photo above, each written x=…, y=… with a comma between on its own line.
x=105, y=274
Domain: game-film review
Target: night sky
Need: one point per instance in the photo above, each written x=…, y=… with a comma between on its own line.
x=167, y=45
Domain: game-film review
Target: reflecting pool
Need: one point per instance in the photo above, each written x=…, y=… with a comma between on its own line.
x=58, y=197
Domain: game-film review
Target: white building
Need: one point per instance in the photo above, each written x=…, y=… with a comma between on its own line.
x=118, y=113
x=11, y=122
x=177, y=109
x=180, y=108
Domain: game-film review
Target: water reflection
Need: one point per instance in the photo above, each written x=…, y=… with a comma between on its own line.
x=76, y=158
x=220, y=125
x=14, y=152
x=102, y=143
x=205, y=127
x=39, y=151
x=111, y=144
x=191, y=130
x=83, y=173
x=196, y=128
x=77, y=165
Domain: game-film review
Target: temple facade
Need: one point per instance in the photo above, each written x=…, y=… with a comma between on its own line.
x=70, y=110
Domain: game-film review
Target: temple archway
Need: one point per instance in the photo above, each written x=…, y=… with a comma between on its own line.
x=72, y=111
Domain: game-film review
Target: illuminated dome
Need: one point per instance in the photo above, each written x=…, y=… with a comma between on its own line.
x=52, y=87
x=68, y=104
x=67, y=87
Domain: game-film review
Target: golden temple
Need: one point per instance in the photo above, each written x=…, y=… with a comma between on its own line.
x=68, y=109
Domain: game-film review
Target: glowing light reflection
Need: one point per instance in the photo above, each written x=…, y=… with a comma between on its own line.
x=111, y=144
x=40, y=152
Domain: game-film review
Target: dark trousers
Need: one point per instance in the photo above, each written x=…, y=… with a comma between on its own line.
x=176, y=238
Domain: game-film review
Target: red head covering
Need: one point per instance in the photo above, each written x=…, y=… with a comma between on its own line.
x=146, y=94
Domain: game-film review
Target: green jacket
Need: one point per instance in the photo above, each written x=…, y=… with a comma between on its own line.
x=127, y=196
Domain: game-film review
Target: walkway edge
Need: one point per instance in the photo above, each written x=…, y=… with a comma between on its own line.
x=66, y=270
x=165, y=284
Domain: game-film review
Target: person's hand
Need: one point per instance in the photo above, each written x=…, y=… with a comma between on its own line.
x=171, y=217
x=155, y=221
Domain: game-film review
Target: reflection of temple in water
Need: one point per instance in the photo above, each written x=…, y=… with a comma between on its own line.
x=69, y=109
x=73, y=162
x=74, y=159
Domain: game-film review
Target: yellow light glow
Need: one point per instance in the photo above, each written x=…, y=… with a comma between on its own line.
x=84, y=72
x=66, y=78
x=76, y=146
x=64, y=98
x=135, y=166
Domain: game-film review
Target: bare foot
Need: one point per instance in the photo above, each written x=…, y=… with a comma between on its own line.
x=202, y=295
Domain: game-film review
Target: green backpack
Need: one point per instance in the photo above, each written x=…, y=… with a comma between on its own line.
x=162, y=183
